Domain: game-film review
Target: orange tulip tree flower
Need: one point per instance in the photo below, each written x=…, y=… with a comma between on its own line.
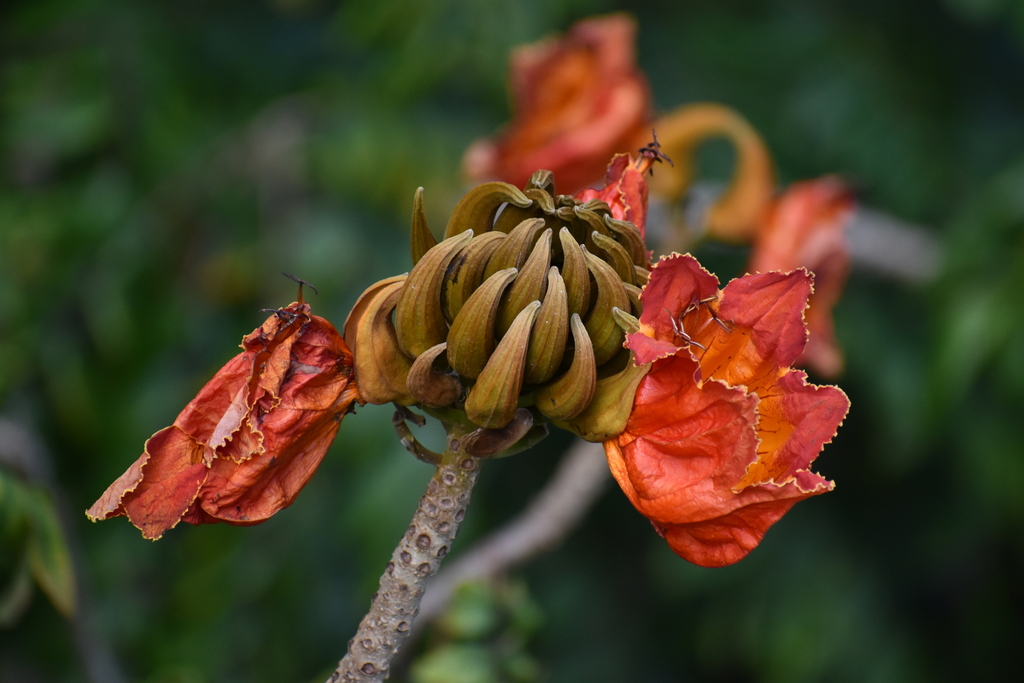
x=806, y=227
x=723, y=431
x=577, y=100
x=246, y=445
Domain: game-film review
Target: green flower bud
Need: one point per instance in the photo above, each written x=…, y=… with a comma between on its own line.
x=430, y=386
x=493, y=400
x=381, y=367
x=530, y=285
x=547, y=340
x=471, y=339
x=421, y=239
x=570, y=394
x=419, y=318
x=478, y=207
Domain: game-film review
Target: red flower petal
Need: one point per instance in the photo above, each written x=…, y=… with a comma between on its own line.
x=625, y=192
x=297, y=432
x=684, y=445
x=681, y=280
x=806, y=227
x=765, y=315
x=795, y=420
x=171, y=472
x=729, y=538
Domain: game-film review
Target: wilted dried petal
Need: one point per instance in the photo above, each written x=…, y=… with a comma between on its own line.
x=806, y=228
x=577, y=100
x=723, y=433
x=245, y=446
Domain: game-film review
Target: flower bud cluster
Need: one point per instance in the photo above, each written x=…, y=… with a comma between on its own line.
x=523, y=304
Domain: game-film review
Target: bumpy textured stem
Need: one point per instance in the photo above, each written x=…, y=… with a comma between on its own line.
x=415, y=561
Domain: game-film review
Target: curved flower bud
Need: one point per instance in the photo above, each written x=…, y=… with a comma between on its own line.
x=735, y=215
x=244, y=447
x=381, y=369
x=723, y=431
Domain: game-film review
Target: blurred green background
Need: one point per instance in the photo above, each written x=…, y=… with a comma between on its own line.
x=162, y=162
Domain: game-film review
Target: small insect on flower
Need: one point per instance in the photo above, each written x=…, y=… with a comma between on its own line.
x=680, y=331
x=651, y=153
x=677, y=321
x=244, y=447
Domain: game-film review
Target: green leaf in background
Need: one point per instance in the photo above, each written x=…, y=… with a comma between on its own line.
x=455, y=663
x=15, y=575
x=33, y=547
x=482, y=636
x=48, y=553
x=981, y=298
x=473, y=614
x=16, y=594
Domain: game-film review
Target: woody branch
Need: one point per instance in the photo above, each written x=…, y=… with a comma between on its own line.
x=414, y=562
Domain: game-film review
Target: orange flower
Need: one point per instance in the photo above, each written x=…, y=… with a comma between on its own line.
x=246, y=445
x=577, y=100
x=806, y=227
x=723, y=432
